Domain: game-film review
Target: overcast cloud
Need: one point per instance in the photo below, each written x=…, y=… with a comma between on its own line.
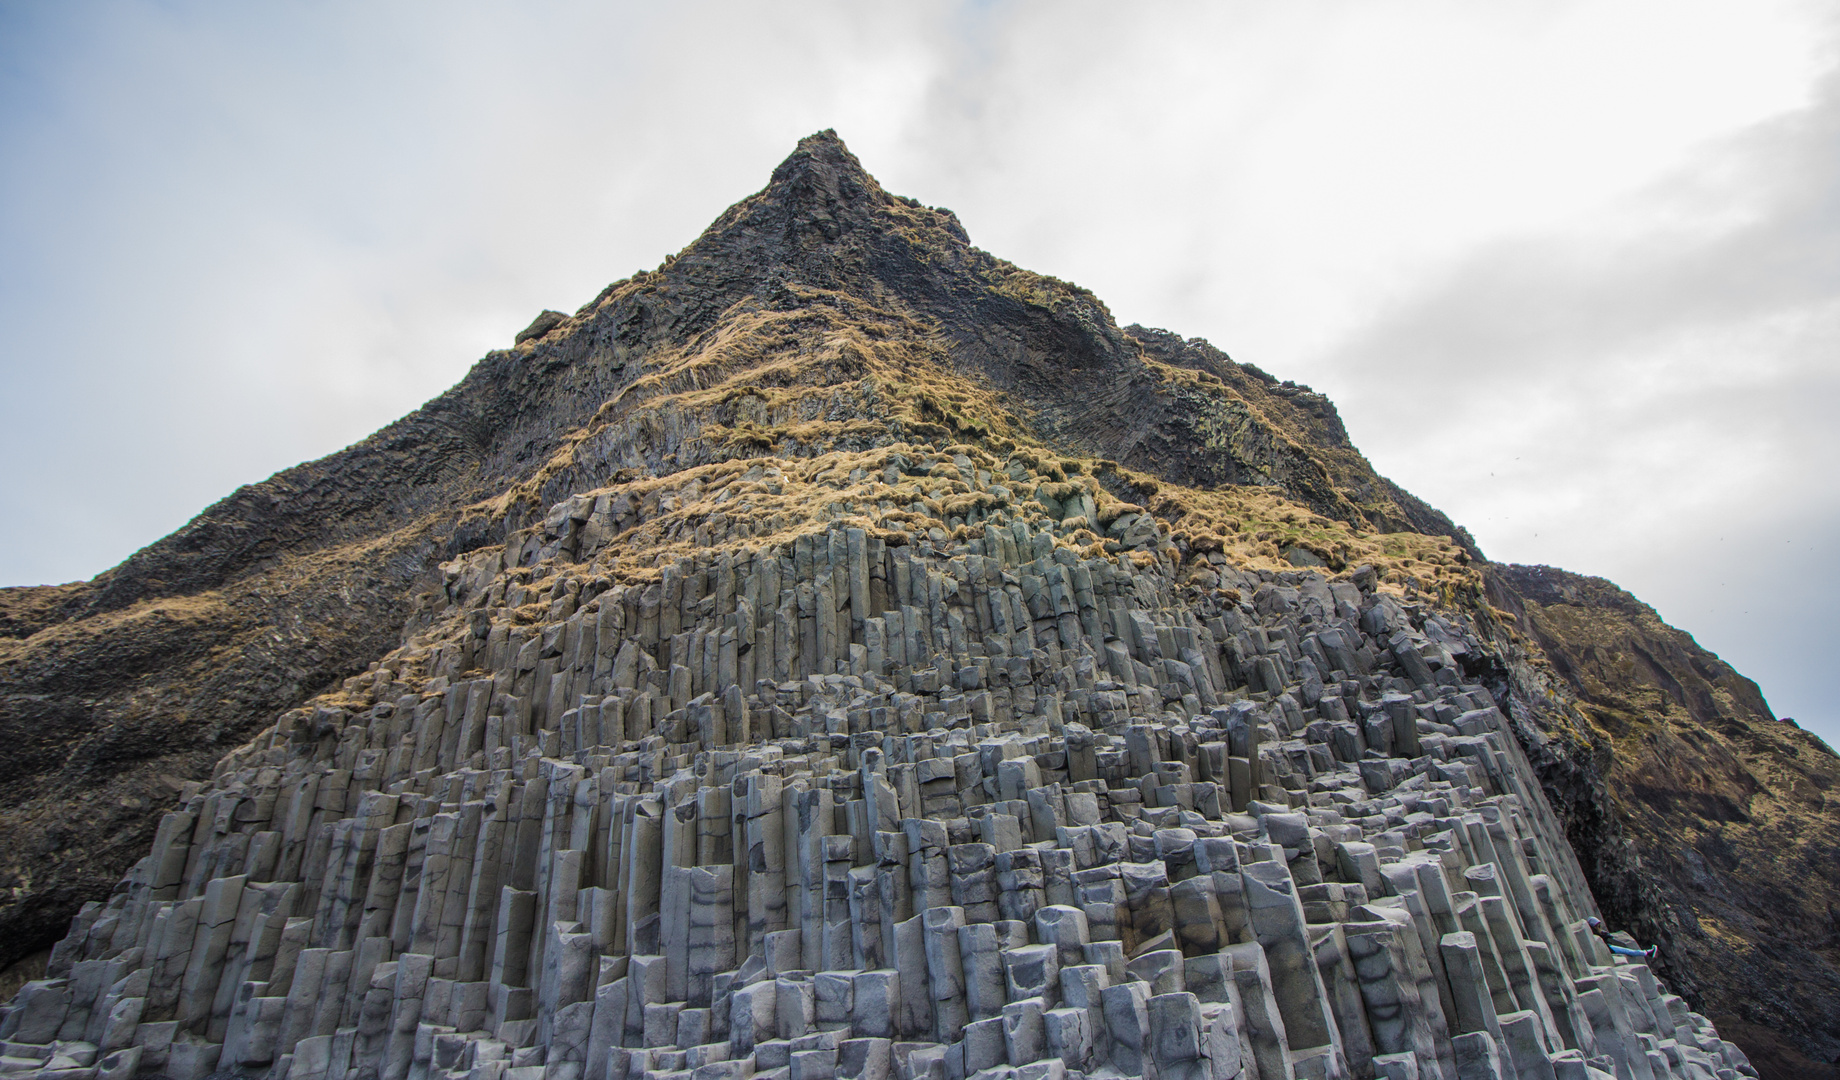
x=1570, y=270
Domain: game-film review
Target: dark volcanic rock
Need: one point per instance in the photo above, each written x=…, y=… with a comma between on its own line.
x=867, y=367
x=1734, y=815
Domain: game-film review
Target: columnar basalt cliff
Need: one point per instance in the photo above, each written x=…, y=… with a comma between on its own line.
x=1732, y=811
x=841, y=652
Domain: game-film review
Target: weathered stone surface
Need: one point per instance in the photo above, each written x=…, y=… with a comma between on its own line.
x=1715, y=835
x=871, y=740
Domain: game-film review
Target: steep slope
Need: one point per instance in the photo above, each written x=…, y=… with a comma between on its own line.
x=826, y=358
x=1734, y=814
x=822, y=313
x=116, y=692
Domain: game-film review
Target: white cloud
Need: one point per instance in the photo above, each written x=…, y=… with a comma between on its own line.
x=1645, y=393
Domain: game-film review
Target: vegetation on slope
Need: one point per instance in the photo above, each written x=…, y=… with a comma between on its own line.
x=828, y=351
x=1735, y=814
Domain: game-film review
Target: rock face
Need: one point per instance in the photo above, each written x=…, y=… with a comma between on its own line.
x=821, y=314
x=838, y=652
x=1733, y=812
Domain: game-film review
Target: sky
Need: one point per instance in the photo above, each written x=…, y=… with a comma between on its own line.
x=1570, y=271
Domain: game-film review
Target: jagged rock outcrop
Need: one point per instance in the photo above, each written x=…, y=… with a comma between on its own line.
x=1733, y=813
x=838, y=651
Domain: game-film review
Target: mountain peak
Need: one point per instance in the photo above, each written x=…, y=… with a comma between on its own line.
x=836, y=511
x=825, y=149
x=821, y=178
x=822, y=220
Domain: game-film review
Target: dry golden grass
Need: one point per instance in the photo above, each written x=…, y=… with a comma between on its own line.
x=847, y=411
x=904, y=491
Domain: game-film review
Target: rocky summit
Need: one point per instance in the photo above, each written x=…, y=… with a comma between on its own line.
x=842, y=653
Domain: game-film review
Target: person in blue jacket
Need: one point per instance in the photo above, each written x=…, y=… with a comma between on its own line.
x=1597, y=927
